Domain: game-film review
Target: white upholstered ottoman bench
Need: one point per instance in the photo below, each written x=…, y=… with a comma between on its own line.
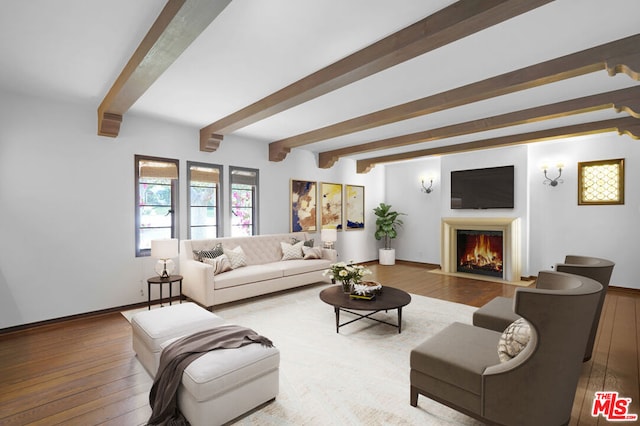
x=226, y=383
x=153, y=328
x=220, y=385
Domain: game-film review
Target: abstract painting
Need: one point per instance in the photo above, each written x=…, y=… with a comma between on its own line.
x=331, y=201
x=303, y=206
x=355, y=207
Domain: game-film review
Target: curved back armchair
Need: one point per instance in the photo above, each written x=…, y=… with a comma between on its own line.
x=598, y=269
x=459, y=366
x=498, y=313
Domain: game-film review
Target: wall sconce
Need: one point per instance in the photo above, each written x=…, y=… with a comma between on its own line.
x=425, y=189
x=553, y=182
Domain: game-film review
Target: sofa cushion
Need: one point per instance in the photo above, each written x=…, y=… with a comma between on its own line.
x=496, y=315
x=221, y=370
x=301, y=266
x=237, y=258
x=246, y=275
x=291, y=251
x=514, y=339
x=446, y=356
x=158, y=325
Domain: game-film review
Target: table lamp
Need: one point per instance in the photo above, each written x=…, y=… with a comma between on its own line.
x=164, y=250
x=329, y=237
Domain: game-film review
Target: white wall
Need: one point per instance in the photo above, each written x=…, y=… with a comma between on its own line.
x=559, y=226
x=419, y=238
x=67, y=204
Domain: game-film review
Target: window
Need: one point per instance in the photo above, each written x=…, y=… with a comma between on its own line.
x=601, y=182
x=156, y=198
x=244, y=201
x=204, y=192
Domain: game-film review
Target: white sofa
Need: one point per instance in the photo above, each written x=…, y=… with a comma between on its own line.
x=265, y=271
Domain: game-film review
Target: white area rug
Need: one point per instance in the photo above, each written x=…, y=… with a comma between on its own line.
x=357, y=377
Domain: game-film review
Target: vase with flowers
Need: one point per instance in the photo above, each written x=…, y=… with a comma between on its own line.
x=347, y=274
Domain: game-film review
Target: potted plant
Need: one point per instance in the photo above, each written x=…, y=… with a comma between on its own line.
x=387, y=223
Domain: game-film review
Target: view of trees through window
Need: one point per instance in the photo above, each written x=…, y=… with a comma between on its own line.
x=244, y=190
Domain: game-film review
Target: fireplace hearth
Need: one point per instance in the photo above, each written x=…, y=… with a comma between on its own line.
x=479, y=252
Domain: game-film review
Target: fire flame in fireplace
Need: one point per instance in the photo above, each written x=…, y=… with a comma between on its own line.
x=482, y=255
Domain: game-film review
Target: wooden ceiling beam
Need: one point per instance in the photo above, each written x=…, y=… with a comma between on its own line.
x=452, y=23
x=179, y=23
x=620, y=56
x=628, y=125
x=627, y=99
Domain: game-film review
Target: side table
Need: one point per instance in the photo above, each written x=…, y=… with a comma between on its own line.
x=159, y=280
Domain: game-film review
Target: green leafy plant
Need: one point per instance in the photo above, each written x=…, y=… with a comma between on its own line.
x=387, y=223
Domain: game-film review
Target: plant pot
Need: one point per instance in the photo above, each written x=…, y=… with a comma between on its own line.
x=387, y=256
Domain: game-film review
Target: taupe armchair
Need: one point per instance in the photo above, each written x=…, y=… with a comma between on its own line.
x=460, y=367
x=498, y=313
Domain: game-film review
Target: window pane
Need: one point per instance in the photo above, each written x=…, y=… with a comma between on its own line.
x=155, y=217
x=243, y=231
x=203, y=233
x=146, y=235
x=203, y=196
x=240, y=216
x=155, y=194
x=201, y=216
x=242, y=196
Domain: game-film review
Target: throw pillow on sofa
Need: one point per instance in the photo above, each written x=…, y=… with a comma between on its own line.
x=514, y=339
x=220, y=264
x=291, y=251
x=312, y=252
x=307, y=243
x=216, y=251
x=237, y=258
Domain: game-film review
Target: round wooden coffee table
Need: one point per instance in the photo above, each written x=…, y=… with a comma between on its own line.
x=391, y=298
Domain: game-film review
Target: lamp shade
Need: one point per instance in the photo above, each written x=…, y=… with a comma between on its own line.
x=164, y=249
x=329, y=235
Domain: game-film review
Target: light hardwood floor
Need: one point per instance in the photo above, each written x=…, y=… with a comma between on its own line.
x=84, y=372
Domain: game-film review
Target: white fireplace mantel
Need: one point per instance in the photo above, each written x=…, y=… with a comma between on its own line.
x=510, y=227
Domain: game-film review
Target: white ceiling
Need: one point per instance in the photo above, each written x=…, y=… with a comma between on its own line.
x=75, y=49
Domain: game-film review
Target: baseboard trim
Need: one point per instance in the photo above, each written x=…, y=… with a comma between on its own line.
x=84, y=315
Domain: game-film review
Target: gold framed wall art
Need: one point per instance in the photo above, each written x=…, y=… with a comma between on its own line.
x=601, y=182
x=354, y=210
x=331, y=205
x=303, y=206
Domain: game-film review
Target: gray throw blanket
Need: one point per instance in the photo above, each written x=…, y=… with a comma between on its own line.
x=178, y=355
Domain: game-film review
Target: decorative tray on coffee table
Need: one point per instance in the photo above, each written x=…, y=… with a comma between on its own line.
x=366, y=290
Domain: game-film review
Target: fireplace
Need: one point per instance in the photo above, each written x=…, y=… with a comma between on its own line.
x=479, y=252
x=483, y=248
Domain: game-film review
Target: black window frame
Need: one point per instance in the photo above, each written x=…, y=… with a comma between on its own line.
x=219, y=196
x=255, y=197
x=145, y=252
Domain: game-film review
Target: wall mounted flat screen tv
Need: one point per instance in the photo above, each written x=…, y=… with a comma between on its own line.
x=489, y=188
